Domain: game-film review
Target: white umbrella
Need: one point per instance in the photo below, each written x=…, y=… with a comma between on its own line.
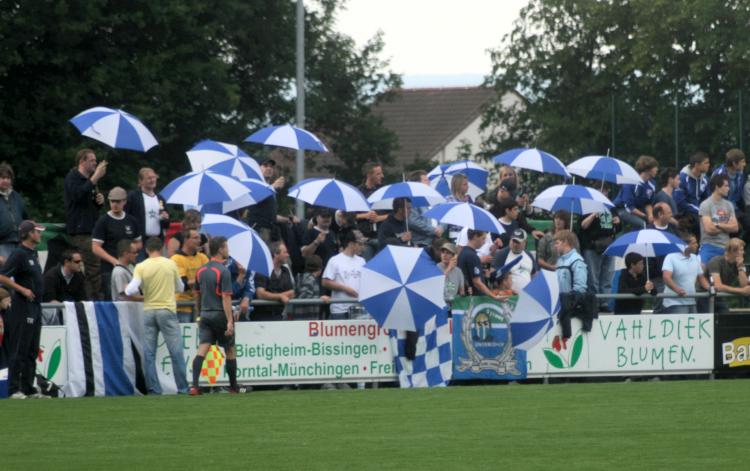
x=197, y=188
x=245, y=245
x=330, y=193
x=116, y=128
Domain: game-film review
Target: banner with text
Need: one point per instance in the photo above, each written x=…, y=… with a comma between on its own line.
x=619, y=345
x=733, y=343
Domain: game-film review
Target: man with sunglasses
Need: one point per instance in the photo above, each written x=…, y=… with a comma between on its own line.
x=65, y=281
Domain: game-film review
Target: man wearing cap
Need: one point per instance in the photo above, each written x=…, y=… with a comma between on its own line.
x=319, y=239
x=454, y=277
x=147, y=206
x=109, y=230
x=23, y=321
x=82, y=203
x=263, y=216
x=519, y=262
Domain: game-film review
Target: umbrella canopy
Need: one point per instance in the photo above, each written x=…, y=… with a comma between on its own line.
x=287, y=136
x=116, y=128
x=258, y=191
x=402, y=288
x=647, y=242
x=599, y=167
x=198, y=188
x=573, y=198
x=439, y=181
x=440, y=177
x=534, y=315
x=245, y=245
x=465, y=215
x=419, y=193
x=532, y=159
x=330, y=193
x=223, y=158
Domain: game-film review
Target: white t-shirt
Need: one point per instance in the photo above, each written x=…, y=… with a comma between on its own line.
x=153, y=226
x=463, y=241
x=685, y=272
x=346, y=270
x=520, y=273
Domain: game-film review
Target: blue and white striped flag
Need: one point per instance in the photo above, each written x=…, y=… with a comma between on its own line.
x=433, y=364
x=104, y=349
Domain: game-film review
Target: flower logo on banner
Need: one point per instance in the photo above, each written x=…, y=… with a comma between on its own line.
x=559, y=356
x=212, y=364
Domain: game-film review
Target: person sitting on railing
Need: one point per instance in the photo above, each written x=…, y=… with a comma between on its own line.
x=680, y=272
x=278, y=287
x=633, y=280
x=728, y=273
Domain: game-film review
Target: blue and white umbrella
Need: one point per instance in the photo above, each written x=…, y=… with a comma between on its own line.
x=419, y=193
x=647, y=242
x=198, y=188
x=116, y=128
x=465, y=215
x=534, y=315
x=599, y=167
x=330, y=193
x=245, y=245
x=220, y=157
x=287, y=136
x=440, y=177
x=532, y=159
x=573, y=198
x=258, y=191
x=402, y=288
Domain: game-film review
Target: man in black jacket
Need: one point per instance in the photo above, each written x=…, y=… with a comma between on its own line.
x=393, y=230
x=633, y=280
x=147, y=207
x=82, y=202
x=65, y=282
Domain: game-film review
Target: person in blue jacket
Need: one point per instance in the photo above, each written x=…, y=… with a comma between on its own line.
x=635, y=202
x=694, y=183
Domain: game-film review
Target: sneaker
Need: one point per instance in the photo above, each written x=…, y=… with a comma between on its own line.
x=39, y=395
x=193, y=391
x=18, y=395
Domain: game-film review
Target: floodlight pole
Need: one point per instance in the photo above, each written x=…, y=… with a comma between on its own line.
x=300, y=82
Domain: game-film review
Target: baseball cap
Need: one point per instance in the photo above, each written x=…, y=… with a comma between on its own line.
x=117, y=194
x=449, y=247
x=518, y=235
x=27, y=226
x=268, y=161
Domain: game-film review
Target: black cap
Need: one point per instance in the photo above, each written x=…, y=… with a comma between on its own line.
x=519, y=235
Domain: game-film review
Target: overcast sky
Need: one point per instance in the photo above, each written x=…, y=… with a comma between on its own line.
x=433, y=43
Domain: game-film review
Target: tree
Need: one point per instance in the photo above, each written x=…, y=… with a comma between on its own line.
x=586, y=68
x=189, y=69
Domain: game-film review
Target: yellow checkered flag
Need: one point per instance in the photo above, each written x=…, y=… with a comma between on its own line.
x=212, y=364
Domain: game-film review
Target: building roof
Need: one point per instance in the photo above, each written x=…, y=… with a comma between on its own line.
x=426, y=119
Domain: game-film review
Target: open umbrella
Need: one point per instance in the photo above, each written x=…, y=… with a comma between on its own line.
x=245, y=245
x=258, y=191
x=287, y=136
x=573, y=198
x=116, y=128
x=534, y=315
x=402, y=288
x=647, y=242
x=330, y=193
x=465, y=215
x=532, y=159
x=440, y=177
x=220, y=157
x=419, y=194
x=604, y=168
x=205, y=187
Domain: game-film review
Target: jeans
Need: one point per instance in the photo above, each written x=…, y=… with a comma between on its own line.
x=680, y=309
x=164, y=321
x=601, y=270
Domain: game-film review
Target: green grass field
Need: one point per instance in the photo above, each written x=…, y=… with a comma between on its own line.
x=640, y=425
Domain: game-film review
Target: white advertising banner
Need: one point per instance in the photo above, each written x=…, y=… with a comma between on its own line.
x=623, y=345
x=52, y=360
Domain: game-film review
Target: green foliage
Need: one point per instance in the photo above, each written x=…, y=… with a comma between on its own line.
x=575, y=61
x=189, y=69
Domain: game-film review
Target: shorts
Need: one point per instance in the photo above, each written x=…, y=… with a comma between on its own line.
x=211, y=329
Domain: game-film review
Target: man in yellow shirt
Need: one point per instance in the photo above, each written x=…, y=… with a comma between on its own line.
x=158, y=279
x=188, y=260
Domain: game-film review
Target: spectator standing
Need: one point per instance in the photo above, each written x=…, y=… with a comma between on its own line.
x=65, y=281
x=694, y=183
x=264, y=216
x=343, y=273
x=635, y=202
x=82, y=203
x=243, y=287
x=508, y=214
x=367, y=223
x=12, y=211
x=308, y=287
x=158, y=279
x=728, y=273
x=522, y=270
x=213, y=299
x=147, y=206
x=320, y=239
x=423, y=229
x=717, y=219
x=510, y=187
x=393, y=230
x=188, y=260
x=23, y=321
x=546, y=255
x=122, y=273
x=278, y=287
x=680, y=272
x=191, y=220
x=471, y=266
x=670, y=192
x=598, y=231
x=109, y=230
x=633, y=280
x=454, y=277
x=733, y=167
